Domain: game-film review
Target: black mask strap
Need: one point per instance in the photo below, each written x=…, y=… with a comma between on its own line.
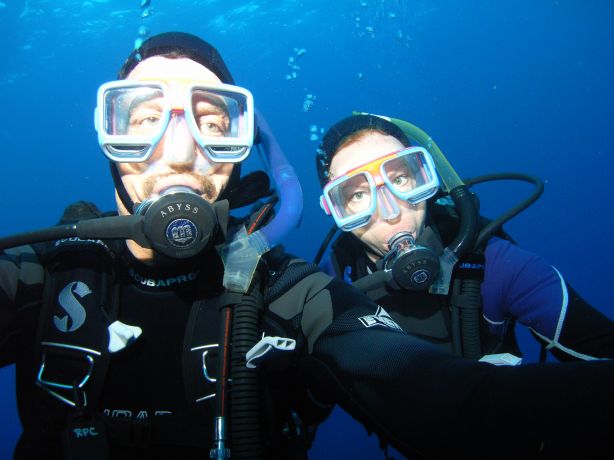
x=121, y=190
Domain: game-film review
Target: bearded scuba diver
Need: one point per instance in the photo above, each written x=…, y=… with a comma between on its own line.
x=195, y=224
x=413, y=240
x=169, y=141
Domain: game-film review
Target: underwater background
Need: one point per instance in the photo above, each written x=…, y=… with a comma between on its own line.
x=520, y=86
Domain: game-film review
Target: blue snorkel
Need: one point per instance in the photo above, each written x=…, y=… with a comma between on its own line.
x=242, y=254
x=286, y=180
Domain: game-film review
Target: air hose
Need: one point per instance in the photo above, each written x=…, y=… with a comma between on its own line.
x=466, y=300
x=466, y=308
x=244, y=406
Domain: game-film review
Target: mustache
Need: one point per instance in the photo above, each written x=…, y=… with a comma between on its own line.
x=204, y=185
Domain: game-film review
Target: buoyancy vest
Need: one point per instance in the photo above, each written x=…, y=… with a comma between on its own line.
x=428, y=316
x=64, y=352
x=63, y=366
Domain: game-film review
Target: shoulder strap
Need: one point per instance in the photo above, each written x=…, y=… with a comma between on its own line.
x=80, y=302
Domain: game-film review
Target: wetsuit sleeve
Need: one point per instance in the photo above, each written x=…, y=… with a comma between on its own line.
x=21, y=281
x=429, y=403
x=521, y=285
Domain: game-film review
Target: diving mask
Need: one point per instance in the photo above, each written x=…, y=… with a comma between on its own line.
x=408, y=174
x=132, y=116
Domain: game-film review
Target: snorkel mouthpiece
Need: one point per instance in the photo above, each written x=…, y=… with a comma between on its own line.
x=413, y=267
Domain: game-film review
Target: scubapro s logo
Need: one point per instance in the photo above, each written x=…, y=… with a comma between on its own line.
x=74, y=310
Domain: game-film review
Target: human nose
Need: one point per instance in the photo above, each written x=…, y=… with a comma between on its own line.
x=179, y=148
x=387, y=206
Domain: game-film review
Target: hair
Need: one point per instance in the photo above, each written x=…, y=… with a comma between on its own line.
x=358, y=136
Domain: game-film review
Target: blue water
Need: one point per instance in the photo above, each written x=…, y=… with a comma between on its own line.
x=501, y=86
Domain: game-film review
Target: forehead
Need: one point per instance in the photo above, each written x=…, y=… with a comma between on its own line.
x=165, y=69
x=364, y=150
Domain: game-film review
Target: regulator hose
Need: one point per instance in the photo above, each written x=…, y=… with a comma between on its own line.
x=245, y=401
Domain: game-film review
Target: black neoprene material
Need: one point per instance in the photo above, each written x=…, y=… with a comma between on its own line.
x=448, y=424
x=449, y=410
x=184, y=44
x=437, y=319
x=427, y=402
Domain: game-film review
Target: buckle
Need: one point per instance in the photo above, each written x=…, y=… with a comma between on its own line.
x=53, y=385
x=270, y=346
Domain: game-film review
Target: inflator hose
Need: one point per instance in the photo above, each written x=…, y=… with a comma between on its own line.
x=470, y=319
x=244, y=406
x=468, y=228
x=455, y=322
x=470, y=299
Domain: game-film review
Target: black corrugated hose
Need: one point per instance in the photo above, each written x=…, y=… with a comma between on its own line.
x=470, y=319
x=244, y=407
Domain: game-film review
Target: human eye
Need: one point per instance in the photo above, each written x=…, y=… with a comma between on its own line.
x=358, y=196
x=211, y=118
x=399, y=175
x=144, y=120
x=400, y=180
x=404, y=182
x=212, y=125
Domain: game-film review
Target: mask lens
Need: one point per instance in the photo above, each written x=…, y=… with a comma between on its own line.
x=351, y=197
x=133, y=111
x=410, y=175
x=222, y=122
x=130, y=119
x=145, y=112
x=400, y=174
x=211, y=114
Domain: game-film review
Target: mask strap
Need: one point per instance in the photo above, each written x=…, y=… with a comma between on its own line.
x=121, y=190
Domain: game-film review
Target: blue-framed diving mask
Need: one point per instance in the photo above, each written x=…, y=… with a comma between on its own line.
x=408, y=174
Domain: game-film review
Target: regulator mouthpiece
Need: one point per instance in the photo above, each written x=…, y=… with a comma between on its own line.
x=413, y=267
x=179, y=223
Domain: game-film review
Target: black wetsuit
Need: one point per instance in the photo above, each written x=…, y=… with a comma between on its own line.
x=425, y=401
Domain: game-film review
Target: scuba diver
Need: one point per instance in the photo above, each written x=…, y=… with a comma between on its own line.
x=173, y=329
x=419, y=248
